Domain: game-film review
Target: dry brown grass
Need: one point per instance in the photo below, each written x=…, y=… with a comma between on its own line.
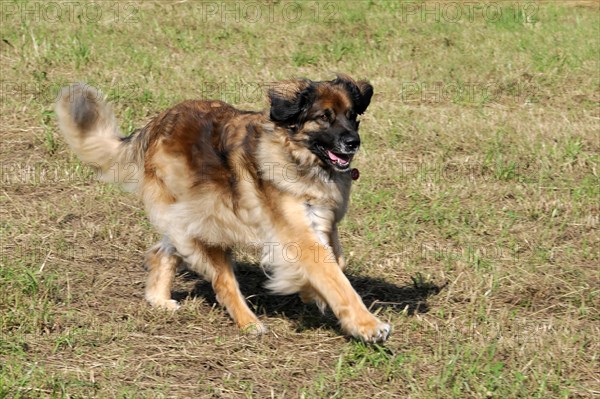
x=473, y=228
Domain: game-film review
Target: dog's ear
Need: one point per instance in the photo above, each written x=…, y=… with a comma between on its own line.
x=366, y=92
x=289, y=99
x=360, y=92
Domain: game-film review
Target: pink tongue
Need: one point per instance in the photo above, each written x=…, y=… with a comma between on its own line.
x=335, y=158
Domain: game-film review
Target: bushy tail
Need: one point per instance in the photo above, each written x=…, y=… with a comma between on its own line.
x=89, y=126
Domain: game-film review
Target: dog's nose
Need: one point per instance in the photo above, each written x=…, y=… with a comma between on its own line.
x=351, y=142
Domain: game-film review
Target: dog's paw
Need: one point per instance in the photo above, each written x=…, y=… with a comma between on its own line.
x=380, y=333
x=373, y=332
x=256, y=328
x=167, y=304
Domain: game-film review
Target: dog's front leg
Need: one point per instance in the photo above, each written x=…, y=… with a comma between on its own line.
x=328, y=280
x=307, y=294
x=336, y=246
x=303, y=263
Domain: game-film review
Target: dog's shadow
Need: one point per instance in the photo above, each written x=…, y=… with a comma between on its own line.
x=376, y=294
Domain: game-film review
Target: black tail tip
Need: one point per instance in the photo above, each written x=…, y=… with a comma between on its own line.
x=83, y=103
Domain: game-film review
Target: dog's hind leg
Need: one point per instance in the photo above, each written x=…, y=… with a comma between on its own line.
x=214, y=264
x=228, y=292
x=161, y=263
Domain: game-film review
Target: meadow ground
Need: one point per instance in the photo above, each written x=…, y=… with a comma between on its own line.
x=473, y=228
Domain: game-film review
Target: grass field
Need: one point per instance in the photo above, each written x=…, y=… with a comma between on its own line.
x=473, y=228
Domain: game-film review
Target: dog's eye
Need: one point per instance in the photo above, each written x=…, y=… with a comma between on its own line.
x=324, y=117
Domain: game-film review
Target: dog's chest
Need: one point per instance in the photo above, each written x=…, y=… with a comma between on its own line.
x=321, y=219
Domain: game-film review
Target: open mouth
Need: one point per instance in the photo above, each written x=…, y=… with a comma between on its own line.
x=339, y=161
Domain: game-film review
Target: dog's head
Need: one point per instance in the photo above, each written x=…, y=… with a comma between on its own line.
x=322, y=116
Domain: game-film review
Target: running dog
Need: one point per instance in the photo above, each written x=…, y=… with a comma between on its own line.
x=212, y=177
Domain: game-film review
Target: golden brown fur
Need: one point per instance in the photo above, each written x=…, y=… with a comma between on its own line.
x=212, y=177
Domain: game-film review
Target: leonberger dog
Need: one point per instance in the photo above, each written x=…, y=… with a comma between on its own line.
x=213, y=177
